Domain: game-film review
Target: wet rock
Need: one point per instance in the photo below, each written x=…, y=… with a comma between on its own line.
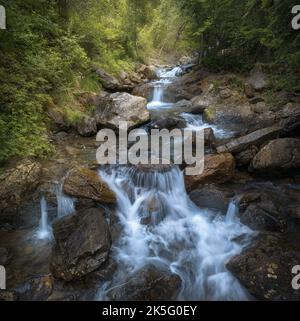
x=168, y=122
x=182, y=105
x=36, y=289
x=278, y=156
x=82, y=244
x=3, y=256
x=87, y=127
x=18, y=182
x=265, y=269
x=255, y=138
x=257, y=79
x=85, y=183
x=148, y=284
x=212, y=197
x=218, y=168
x=263, y=216
x=122, y=107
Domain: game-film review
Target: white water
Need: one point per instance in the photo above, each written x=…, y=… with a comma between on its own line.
x=45, y=231
x=193, y=243
x=65, y=204
x=195, y=122
x=166, y=77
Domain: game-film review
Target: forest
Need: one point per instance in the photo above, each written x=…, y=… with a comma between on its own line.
x=51, y=47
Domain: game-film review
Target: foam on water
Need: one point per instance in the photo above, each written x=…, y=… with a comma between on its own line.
x=193, y=243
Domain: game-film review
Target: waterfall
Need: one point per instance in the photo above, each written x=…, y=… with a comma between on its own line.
x=161, y=225
x=45, y=231
x=65, y=204
x=195, y=122
x=166, y=78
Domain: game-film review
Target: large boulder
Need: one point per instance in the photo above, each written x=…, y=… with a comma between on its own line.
x=87, y=127
x=18, y=182
x=265, y=269
x=257, y=79
x=218, y=168
x=278, y=156
x=212, y=197
x=122, y=107
x=86, y=183
x=263, y=209
x=82, y=244
x=111, y=83
x=144, y=90
x=149, y=72
x=255, y=138
x=148, y=284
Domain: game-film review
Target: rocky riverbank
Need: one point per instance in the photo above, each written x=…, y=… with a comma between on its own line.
x=255, y=162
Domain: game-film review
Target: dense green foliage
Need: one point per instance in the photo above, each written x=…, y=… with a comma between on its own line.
x=50, y=46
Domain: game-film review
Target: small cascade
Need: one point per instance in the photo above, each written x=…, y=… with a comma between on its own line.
x=195, y=122
x=166, y=78
x=65, y=204
x=162, y=226
x=45, y=231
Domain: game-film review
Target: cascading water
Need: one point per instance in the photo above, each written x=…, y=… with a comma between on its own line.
x=65, y=204
x=162, y=226
x=166, y=77
x=45, y=231
x=195, y=122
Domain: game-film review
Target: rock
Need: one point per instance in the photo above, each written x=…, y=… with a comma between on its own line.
x=209, y=138
x=249, y=90
x=8, y=296
x=144, y=90
x=245, y=157
x=182, y=105
x=225, y=93
x=218, y=168
x=87, y=127
x=256, y=100
x=260, y=108
x=36, y=289
x=255, y=138
x=265, y=269
x=199, y=104
x=18, y=182
x=277, y=156
x=168, y=122
x=3, y=256
x=291, y=123
x=122, y=107
x=148, y=284
x=148, y=72
x=83, y=182
x=263, y=216
x=212, y=197
x=257, y=79
x=108, y=81
x=82, y=244
x=185, y=87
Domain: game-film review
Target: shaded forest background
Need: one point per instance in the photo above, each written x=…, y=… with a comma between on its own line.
x=51, y=47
